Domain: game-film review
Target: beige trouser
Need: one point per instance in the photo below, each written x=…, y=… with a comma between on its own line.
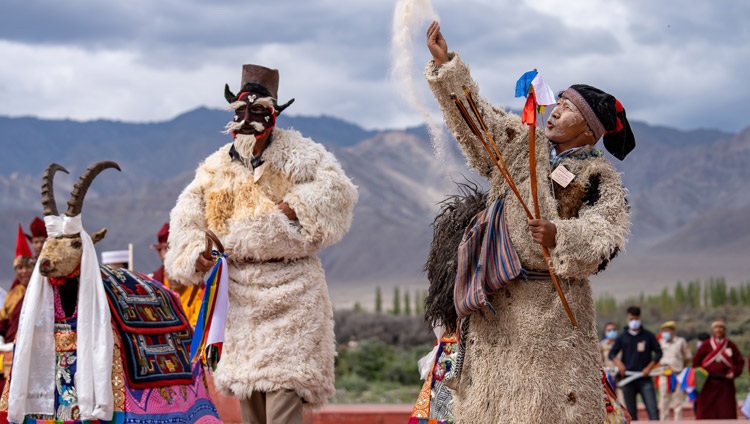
x=277, y=407
x=667, y=400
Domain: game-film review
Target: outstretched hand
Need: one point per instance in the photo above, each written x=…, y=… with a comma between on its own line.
x=436, y=43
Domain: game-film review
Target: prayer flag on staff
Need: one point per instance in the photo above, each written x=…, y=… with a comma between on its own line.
x=538, y=95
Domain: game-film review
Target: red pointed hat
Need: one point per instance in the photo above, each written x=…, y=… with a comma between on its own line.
x=38, y=228
x=162, y=236
x=23, y=251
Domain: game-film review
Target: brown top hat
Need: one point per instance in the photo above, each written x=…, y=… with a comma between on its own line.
x=268, y=78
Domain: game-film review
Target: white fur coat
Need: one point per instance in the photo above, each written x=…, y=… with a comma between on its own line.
x=527, y=364
x=279, y=331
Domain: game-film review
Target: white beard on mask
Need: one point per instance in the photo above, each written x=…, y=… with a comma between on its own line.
x=244, y=145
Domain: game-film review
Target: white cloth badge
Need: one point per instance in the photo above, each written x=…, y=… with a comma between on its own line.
x=562, y=176
x=641, y=347
x=258, y=172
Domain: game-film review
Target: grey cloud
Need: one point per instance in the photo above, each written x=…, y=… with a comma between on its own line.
x=675, y=23
x=340, y=51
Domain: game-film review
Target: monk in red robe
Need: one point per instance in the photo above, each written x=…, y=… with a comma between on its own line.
x=722, y=359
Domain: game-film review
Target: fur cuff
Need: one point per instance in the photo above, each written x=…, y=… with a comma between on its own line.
x=324, y=205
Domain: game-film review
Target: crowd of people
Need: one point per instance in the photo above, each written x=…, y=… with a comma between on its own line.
x=639, y=362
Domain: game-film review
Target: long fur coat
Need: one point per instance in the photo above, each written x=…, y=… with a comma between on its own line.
x=527, y=364
x=279, y=332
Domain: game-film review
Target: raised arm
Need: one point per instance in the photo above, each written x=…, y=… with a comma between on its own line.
x=447, y=75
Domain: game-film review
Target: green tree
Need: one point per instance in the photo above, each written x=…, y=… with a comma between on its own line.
x=734, y=296
x=378, y=300
x=745, y=293
x=396, y=301
x=665, y=301
x=707, y=295
x=419, y=302
x=718, y=289
x=694, y=294
x=680, y=296
x=606, y=304
x=407, y=303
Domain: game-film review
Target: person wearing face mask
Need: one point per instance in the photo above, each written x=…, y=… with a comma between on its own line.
x=274, y=198
x=722, y=359
x=640, y=353
x=610, y=367
x=676, y=355
x=605, y=345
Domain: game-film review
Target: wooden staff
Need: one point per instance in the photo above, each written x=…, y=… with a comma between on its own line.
x=494, y=156
x=535, y=198
x=497, y=159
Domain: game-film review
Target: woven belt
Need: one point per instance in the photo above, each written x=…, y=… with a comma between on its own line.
x=261, y=261
x=536, y=275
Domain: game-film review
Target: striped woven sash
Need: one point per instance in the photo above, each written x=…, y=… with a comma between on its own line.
x=486, y=260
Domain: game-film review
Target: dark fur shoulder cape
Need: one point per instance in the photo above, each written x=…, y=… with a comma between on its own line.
x=455, y=214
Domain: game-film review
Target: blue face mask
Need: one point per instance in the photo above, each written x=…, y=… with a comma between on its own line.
x=634, y=324
x=611, y=334
x=666, y=335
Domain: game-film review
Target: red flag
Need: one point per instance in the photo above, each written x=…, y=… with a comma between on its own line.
x=529, y=110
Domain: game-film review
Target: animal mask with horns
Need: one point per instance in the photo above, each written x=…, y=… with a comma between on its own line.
x=61, y=255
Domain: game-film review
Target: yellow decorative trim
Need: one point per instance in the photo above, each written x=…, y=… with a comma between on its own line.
x=66, y=341
x=118, y=373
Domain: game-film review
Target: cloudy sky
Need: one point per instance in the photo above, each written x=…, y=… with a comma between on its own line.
x=671, y=62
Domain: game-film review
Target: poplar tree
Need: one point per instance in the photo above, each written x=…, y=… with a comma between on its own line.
x=378, y=300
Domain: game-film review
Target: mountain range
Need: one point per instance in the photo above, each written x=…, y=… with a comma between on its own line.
x=688, y=193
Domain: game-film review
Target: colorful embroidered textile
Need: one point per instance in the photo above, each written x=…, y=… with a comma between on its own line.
x=435, y=402
x=154, y=330
x=486, y=260
x=181, y=404
x=616, y=413
x=189, y=404
x=139, y=304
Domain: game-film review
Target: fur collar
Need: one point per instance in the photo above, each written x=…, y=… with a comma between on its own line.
x=290, y=153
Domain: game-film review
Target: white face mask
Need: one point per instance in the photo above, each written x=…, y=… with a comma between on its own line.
x=634, y=324
x=666, y=336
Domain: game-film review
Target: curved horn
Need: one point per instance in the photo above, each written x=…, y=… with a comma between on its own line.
x=75, y=204
x=49, y=206
x=231, y=98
